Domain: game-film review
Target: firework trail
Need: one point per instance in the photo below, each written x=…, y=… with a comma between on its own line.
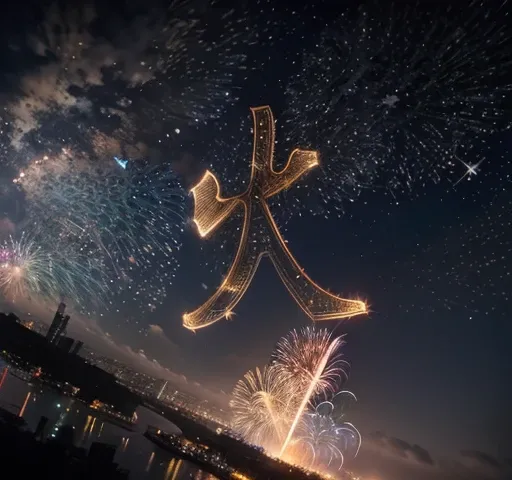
x=130, y=220
x=315, y=370
x=399, y=91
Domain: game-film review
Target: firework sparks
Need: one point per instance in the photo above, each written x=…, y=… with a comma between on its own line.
x=318, y=441
x=322, y=442
x=21, y=268
x=129, y=219
x=398, y=92
x=274, y=408
x=261, y=404
x=298, y=355
x=28, y=269
x=317, y=369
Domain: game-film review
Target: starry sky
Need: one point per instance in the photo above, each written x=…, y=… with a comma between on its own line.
x=383, y=218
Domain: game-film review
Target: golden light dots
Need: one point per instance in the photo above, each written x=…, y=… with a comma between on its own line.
x=260, y=234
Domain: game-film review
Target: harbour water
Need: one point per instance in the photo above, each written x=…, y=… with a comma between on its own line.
x=135, y=453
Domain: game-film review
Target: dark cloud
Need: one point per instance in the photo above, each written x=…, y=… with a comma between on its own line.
x=480, y=458
x=75, y=61
x=391, y=458
x=156, y=332
x=400, y=448
x=137, y=74
x=482, y=464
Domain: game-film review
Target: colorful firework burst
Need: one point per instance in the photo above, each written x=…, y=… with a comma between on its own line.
x=130, y=220
x=321, y=442
x=30, y=269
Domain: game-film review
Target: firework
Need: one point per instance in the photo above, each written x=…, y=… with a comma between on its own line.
x=338, y=405
x=321, y=442
x=262, y=405
x=22, y=268
x=29, y=270
x=317, y=442
x=298, y=356
x=275, y=409
x=129, y=220
x=399, y=92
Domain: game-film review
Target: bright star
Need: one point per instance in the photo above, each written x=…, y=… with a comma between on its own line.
x=471, y=170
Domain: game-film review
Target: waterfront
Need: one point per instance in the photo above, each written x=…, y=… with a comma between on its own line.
x=135, y=453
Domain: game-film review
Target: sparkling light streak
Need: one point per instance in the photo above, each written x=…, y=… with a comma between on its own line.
x=260, y=234
x=317, y=370
x=24, y=406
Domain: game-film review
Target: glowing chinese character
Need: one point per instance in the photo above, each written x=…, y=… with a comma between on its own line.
x=260, y=235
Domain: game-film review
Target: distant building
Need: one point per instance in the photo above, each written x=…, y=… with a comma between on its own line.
x=65, y=343
x=77, y=347
x=63, y=325
x=91, y=382
x=58, y=326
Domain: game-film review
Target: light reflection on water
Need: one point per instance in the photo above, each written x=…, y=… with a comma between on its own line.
x=134, y=452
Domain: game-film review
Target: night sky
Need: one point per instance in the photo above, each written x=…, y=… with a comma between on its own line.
x=381, y=219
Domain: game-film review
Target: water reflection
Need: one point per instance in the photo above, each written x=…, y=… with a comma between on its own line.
x=134, y=452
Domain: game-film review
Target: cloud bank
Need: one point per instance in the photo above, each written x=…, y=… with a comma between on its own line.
x=390, y=458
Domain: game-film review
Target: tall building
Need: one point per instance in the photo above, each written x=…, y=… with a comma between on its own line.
x=63, y=326
x=76, y=347
x=65, y=343
x=58, y=326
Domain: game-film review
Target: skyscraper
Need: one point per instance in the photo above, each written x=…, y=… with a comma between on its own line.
x=63, y=325
x=58, y=325
x=65, y=343
x=76, y=347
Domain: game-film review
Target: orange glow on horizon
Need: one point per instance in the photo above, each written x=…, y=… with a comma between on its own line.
x=260, y=234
